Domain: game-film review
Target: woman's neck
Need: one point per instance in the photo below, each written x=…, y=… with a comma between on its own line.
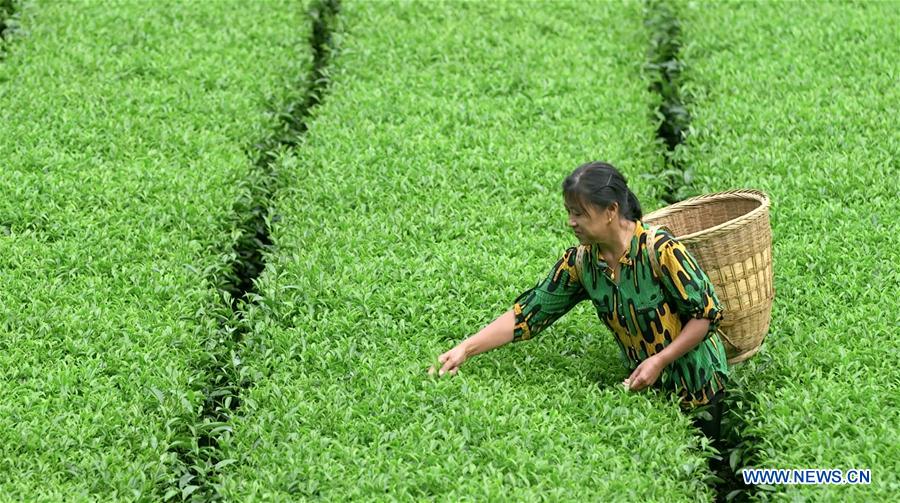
x=613, y=251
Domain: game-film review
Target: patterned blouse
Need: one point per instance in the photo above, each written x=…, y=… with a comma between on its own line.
x=644, y=313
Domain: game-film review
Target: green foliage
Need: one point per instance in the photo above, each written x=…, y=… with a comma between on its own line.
x=665, y=72
x=10, y=24
x=423, y=198
x=141, y=143
x=122, y=129
x=801, y=102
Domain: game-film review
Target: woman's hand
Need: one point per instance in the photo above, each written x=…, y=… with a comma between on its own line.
x=497, y=333
x=451, y=361
x=645, y=374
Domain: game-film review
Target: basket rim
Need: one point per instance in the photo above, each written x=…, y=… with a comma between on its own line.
x=746, y=193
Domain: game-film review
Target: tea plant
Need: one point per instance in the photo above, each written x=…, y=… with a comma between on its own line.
x=800, y=102
x=124, y=131
x=424, y=197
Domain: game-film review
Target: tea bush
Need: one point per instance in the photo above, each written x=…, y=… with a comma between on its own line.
x=424, y=197
x=125, y=132
x=801, y=101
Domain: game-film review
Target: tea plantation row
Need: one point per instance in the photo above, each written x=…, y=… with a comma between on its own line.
x=124, y=130
x=423, y=199
x=802, y=102
x=427, y=184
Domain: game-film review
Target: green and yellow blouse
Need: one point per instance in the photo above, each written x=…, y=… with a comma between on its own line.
x=644, y=312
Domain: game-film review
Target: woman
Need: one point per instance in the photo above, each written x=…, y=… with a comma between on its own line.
x=665, y=326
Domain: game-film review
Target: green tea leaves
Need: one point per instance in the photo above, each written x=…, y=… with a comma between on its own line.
x=420, y=202
x=762, y=75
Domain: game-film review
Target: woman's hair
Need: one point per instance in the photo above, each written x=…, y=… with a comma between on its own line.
x=600, y=184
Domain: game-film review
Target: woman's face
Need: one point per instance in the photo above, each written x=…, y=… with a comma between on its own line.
x=589, y=224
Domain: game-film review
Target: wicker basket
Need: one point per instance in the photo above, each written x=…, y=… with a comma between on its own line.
x=729, y=235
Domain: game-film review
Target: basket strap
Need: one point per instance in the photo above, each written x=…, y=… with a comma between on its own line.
x=725, y=338
x=654, y=253
x=578, y=258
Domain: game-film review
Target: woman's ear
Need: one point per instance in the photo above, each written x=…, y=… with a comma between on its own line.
x=611, y=212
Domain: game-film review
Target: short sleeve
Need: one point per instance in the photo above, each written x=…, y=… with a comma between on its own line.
x=687, y=284
x=538, y=307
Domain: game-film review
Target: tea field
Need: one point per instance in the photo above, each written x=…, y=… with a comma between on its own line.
x=801, y=103
x=122, y=140
x=399, y=239
x=393, y=170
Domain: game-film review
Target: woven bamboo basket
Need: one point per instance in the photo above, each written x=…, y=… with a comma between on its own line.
x=729, y=235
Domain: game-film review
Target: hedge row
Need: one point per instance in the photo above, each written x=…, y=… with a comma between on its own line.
x=424, y=198
x=124, y=135
x=801, y=101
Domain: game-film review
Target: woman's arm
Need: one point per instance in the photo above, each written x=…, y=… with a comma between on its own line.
x=648, y=371
x=495, y=334
x=694, y=296
x=536, y=309
x=691, y=335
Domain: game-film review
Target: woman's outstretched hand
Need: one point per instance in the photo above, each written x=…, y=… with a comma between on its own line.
x=645, y=374
x=451, y=361
x=497, y=333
